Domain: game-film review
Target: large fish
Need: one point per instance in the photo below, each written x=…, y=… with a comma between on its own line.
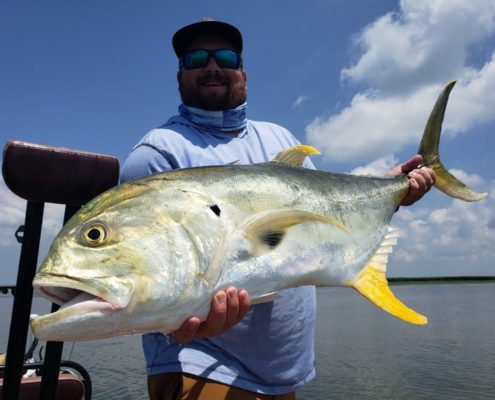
x=147, y=254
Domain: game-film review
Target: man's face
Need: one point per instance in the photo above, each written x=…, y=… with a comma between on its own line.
x=211, y=87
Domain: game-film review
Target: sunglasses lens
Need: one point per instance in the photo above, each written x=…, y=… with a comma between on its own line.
x=195, y=59
x=224, y=58
x=227, y=59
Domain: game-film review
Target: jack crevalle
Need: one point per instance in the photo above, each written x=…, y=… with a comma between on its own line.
x=145, y=255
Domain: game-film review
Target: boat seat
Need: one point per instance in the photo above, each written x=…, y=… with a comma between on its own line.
x=68, y=387
x=45, y=174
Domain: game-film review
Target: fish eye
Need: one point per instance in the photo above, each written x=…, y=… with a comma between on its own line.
x=94, y=234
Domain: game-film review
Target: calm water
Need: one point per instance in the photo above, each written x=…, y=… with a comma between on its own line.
x=362, y=353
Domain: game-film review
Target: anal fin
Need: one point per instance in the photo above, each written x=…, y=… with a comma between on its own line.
x=372, y=284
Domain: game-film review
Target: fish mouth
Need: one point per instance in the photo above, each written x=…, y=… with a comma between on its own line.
x=84, y=301
x=85, y=295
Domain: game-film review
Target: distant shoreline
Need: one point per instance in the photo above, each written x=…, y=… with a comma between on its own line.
x=440, y=279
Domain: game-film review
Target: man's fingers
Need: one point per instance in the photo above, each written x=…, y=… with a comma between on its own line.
x=212, y=326
x=406, y=167
x=425, y=177
x=411, y=164
x=187, y=330
x=244, y=304
x=420, y=182
x=216, y=318
x=417, y=181
x=232, y=307
x=227, y=309
x=421, y=179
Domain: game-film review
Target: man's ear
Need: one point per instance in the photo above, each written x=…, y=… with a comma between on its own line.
x=179, y=75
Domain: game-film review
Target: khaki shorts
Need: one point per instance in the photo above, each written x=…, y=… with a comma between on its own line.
x=179, y=386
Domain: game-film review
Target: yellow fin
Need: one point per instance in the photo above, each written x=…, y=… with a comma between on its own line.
x=295, y=155
x=372, y=284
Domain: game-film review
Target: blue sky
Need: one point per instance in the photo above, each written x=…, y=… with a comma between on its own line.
x=356, y=79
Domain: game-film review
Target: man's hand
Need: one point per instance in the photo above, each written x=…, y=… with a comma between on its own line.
x=420, y=179
x=227, y=309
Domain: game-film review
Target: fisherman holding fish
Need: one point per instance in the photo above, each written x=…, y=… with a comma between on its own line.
x=265, y=351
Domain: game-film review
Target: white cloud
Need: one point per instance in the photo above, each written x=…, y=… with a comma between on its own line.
x=454, y=240
x=12, y=216
x=424, y=43
x=406, y=59
x=299, y=101
x=378, y=167
x=372, y=126
x=13, y=211
x=473, y=101
x=471, y=180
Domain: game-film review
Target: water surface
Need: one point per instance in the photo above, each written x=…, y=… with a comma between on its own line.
x=361, y=352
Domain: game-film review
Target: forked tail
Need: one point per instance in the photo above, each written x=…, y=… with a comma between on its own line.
x=371, y=281
x=429, y=149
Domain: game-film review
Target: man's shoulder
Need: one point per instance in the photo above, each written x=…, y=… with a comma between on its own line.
x=167, y=133
x=268, y=125
x=158, y=150
x=270, y=131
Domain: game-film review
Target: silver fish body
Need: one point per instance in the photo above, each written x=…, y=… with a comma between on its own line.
x=146, y=255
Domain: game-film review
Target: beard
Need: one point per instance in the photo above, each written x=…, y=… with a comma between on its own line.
x=233, y=96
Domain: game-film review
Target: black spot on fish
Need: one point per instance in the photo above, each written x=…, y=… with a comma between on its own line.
x=272, y=239
x=215, y=209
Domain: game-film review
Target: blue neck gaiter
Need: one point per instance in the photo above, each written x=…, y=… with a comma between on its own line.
x=224, y=121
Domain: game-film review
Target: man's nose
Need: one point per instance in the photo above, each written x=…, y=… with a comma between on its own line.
x=212, y=64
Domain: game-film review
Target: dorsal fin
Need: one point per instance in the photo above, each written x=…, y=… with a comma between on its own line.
x=295, y=155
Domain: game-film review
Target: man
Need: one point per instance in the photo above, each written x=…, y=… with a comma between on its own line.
x=265, y=351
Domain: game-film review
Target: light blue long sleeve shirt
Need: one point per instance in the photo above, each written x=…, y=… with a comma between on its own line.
x=272, y=349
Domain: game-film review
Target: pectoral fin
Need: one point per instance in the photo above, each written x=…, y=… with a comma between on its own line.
x=372, y=284
x=266, y=230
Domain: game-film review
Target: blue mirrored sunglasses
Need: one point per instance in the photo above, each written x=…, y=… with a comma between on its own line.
x=225, y=58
